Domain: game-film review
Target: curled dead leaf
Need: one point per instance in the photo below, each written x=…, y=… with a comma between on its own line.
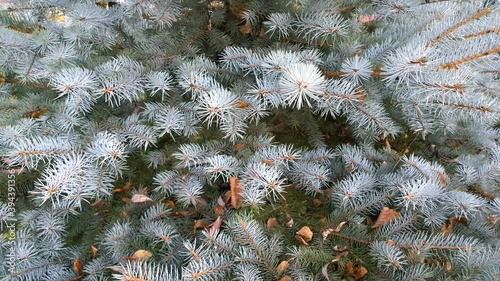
x=356, y=272
x=340, y=255
x=235, y=192
x=282, y=267
x=447, y=266
x=141, y=255
x=286, y=278
x=272, y=222
x=306, y=233
x=94, y=250
x=117, y=268
x=140, y=198
x=386, y=215
x=324, y=271
x=214, y=227
x=78, y=266
x=301, y=240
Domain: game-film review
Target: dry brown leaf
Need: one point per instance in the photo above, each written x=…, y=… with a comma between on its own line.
x=140, y=198
x=301, y=240
x=326, y=232
x=240, y=103
x=386, y=215
x=201, y=223
x=237, y=8
x=141, y=255
x=324, y=271
x=441, y=178
x=317, y=202
x=493, y=219
x=357, y=272
x=246, y=28
x=170, y=203
x=235, y=191
x=272, y=222
x=77, y=266
x=340, y=255
x=367, y=18
x=306, y=233
x=125, y=214
x=215, y=226
x=339, y=227
x=286, y=278
x=219, y=210
x=282, y=267
x=447, y=266
x=184, y=213
x=94, y=250
x=97, y=204
x=117, y=268
x=448, y=227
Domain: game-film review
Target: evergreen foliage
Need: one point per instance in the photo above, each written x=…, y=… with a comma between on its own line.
x=250, y=140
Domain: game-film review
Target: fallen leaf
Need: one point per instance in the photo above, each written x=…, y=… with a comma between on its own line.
x=324, y=271
x=340, y=255
x=367, y=18
x=339, y=227
x=235, y=191
x=77, y=266
x=141, y=255
x=286, y=278
x=386, y=215
x=201, y=223
x=357, y=272
x=214, y=227
x=301, y=240
x=240, y=103
x=448, y=227
x=326, y=232
x=246, y=28
x=97, y=204
x=272, y=222
x=94, y=250
x=219, y=210
x=140, y=198
x=306, y=233
x=282, y=267
x=170, y=203
x=117, y=268
x=447, y=266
